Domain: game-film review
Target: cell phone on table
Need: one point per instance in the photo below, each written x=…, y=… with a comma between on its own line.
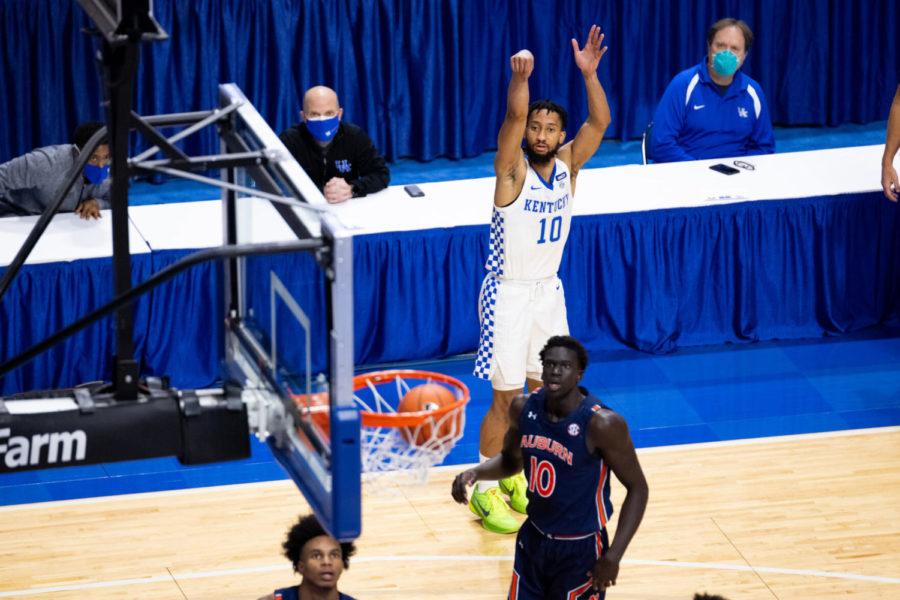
x=413, y=190
x=724, y=169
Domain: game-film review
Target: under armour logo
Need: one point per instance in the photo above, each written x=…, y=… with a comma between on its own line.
x=742, y=112
x=342, y=166
x=532, y=415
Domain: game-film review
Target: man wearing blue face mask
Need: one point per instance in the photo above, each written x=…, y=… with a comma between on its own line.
x=29, y=183
x=338, y=156
x=713, y=110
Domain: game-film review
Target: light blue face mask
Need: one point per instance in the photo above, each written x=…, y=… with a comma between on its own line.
x=323, y=128
x=95, y=174
x=725, y=63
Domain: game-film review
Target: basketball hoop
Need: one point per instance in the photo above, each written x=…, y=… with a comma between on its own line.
x=394, y=438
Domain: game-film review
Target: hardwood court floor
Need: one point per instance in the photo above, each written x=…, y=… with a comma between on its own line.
x=794, y=518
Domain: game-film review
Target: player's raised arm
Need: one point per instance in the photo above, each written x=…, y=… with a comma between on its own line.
x=508, y=163
x=609, y=434
x=588, y=138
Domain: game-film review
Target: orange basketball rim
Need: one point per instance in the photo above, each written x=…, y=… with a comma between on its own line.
x=408, y=419
x=392, y=418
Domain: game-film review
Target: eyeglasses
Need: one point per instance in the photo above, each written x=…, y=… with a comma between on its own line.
x=744, y=165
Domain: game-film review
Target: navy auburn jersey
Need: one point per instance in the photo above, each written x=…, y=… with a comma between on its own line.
x=293, y=593
x=568, y=487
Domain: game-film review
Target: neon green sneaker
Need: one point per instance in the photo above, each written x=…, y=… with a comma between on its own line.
x=493, y=511
x=515, y=487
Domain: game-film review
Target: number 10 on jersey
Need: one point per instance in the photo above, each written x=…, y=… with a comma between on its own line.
x=541, y=477
x=555, y=230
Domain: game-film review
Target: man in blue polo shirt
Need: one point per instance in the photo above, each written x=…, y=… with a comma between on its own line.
x=713, y=110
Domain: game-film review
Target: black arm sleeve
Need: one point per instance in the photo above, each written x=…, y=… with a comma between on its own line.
x=309, y=158
x=291, y=141
x=374, y=175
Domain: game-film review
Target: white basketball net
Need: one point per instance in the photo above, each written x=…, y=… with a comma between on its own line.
x=406, y=452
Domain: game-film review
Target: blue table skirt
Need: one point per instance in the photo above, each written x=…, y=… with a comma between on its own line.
x=654, y=281
x=735, y=273
x=45, y=298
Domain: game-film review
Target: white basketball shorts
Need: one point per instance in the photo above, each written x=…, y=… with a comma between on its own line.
x=517, y=318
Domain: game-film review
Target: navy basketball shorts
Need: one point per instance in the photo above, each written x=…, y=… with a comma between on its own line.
x=548, y=568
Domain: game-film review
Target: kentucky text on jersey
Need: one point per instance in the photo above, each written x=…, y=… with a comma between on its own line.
x=528, y=235
x=540, y=442
x=537, y=206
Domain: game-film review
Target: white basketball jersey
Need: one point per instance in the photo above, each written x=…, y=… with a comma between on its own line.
x=528, y=236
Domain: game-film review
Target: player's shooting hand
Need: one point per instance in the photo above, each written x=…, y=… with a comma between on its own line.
x=89, y=209
x=522, y=63
x=588, y=58
x=460, y=483
x=604, y=573
x=890, y=182
x=337, y=190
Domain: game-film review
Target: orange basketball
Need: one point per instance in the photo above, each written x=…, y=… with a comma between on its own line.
x=428, y=396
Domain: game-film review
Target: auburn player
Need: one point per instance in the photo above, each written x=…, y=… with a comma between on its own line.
x=318, y=558
x=568, y=443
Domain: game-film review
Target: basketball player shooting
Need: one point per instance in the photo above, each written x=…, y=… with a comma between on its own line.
x=522, y=302
x=568, y=443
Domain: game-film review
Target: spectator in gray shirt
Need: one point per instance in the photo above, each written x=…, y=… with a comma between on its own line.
x=29, y=183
